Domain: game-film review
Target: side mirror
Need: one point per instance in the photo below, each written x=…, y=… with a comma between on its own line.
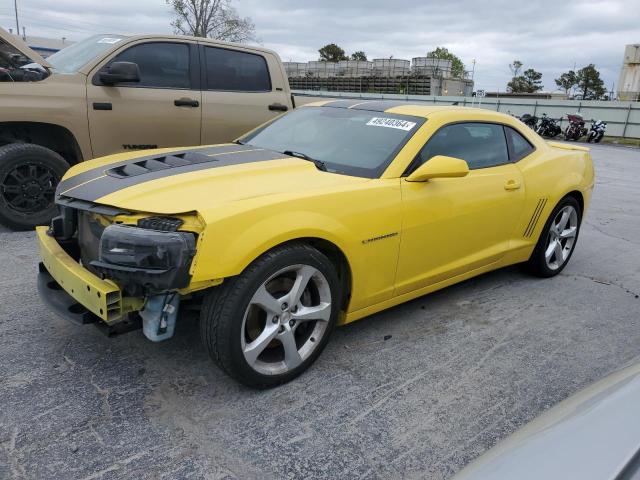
x=119, y=72
x=439, y=167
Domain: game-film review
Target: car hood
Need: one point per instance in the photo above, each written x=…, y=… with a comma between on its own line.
x=8, y=40
x=174, y=181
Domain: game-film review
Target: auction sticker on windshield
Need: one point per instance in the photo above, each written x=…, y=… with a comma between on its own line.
x=109, y=40
x=391, y=123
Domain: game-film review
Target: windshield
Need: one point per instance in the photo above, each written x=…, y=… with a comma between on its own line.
x=354, y=142
x=70, y=59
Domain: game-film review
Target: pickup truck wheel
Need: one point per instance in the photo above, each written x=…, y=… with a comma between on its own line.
x=268, y=325
x=29, y=175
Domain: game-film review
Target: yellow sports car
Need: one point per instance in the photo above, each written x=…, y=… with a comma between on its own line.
x=323, y=216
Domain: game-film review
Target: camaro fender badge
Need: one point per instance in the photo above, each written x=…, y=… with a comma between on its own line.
x=381, y=237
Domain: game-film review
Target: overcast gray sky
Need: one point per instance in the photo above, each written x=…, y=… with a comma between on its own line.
x=550, y=36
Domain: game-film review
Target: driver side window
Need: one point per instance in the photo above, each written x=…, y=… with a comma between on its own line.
x=161, y=64
x=481, y=145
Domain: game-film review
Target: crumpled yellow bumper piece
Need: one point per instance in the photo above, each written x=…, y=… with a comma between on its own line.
x=103, y=298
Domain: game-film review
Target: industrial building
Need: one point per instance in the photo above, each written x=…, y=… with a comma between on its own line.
x=629, y=81
x=44, y=46
x=420, y=76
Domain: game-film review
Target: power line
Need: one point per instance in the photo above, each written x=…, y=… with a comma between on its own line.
x=15, y=4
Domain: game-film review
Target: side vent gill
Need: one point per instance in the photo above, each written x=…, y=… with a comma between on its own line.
x=535, y=217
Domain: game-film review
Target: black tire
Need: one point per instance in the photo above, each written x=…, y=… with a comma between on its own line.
x=537, y=264
x=29, y=175
x=223, y=311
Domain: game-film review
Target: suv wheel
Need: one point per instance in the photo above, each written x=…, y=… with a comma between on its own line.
x=267, y=325
x=29, y=175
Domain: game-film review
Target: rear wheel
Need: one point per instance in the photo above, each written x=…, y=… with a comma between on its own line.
x=29, y=175
x=557, y=240
x=268, y=325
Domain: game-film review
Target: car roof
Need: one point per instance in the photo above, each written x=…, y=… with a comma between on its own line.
x=400, y=107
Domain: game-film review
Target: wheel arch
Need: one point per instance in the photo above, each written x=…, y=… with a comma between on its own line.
x=577, y=194
x=49, y=135
x=333, y=252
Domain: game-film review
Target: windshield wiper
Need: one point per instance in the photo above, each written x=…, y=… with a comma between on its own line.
x=239, y=142
x=320, y=165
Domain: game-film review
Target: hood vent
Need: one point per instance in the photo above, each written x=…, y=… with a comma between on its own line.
x=149, y=165
x=535, y=217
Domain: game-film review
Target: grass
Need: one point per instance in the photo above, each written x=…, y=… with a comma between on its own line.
x=633, y=142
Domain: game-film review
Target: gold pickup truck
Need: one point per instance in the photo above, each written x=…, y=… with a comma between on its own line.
x=111, y=93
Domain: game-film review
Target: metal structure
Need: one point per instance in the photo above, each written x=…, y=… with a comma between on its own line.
x=355, y=68
x=435, y=67
x=391, y=67
x=296, y=69
x=427, y=76
x=322, y=69
x=629, y=81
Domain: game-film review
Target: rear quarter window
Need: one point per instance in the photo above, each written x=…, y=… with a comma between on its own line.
x=518, y=145
x=233, y=70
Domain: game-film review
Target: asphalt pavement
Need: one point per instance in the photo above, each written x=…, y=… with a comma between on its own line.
x=459, y=370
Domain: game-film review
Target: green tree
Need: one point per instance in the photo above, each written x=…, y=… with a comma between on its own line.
x=532, y=80
x=457, y=67
x=590, y=83
x=567, y=81
x=529, y=82
x=211, y=18
x=359, y=55
x=332, y=53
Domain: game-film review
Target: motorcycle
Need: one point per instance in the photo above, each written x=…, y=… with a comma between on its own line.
x=548, y=127
x=529, y=120
x=596, y=132
x=576, y=129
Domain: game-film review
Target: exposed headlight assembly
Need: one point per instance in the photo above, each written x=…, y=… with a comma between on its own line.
x=145, y=260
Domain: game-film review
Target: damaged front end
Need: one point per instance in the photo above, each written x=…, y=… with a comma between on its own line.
x=136, y=265
x=18, y=63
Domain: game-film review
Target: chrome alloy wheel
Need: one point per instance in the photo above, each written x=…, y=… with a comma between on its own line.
x=561, y=238
x=286, y=319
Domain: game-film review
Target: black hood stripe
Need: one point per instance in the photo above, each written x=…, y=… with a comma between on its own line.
x=145, y=169
x=369, y=105
x=94, y=173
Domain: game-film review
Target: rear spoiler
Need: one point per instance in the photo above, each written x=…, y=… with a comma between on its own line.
x=567, y=146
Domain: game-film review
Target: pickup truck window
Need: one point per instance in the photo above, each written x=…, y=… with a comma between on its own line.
x=232, y=70
x=73, y=57
x=161, y=64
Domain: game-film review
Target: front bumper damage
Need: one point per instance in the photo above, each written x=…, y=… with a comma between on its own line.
x=78, y=295
x=114, y=297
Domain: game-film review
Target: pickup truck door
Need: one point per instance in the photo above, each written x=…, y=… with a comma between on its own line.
x=162, y=110
x=241, y=89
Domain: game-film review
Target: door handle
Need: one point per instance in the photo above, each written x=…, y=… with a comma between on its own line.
x=512, y=185
x=278, y=107
x=102, y=106
x=186, y=102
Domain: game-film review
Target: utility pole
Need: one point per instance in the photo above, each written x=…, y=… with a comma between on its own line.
x=15, y=4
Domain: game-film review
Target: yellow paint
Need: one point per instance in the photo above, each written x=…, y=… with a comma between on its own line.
x=448, y=229
x=101, y=297
x=439, y=166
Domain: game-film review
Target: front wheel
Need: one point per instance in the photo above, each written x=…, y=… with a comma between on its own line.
x=267, y=325
x=557, y=240
x=29, y=175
